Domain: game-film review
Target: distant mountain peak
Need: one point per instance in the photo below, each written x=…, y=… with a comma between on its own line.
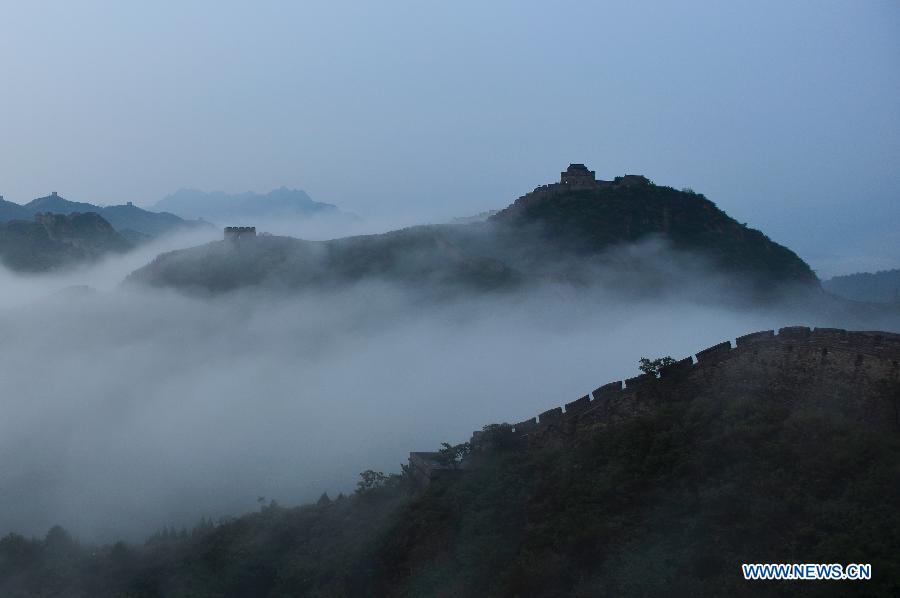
x=58, y=204
x=13, y=211
x=222, y=207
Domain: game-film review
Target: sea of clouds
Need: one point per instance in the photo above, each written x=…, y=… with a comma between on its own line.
x=126, y=409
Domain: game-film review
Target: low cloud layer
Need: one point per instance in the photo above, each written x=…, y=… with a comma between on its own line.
x=126, y=409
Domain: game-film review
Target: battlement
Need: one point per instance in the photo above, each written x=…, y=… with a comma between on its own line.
x=872, y=344
x=238, y=233
x=577, y=176
x=856, y=353
x=631, y=180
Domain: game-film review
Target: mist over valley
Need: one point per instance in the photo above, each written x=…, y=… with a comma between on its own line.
x=272, y=366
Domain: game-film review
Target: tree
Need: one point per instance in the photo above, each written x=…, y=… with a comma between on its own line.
x=370, y=480
x=453, y=455
x=655, y=366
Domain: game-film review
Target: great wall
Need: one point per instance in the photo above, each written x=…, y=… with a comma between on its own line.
x=577, y=178
x=858, y=371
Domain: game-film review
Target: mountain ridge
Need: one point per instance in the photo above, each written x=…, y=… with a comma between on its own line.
x=880, y=287
x=223, y=207
x=13, y=211
x=558, y=232
x=124, y=218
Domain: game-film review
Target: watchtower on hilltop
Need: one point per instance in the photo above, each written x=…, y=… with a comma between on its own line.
x=577, y=176
x=238, y=233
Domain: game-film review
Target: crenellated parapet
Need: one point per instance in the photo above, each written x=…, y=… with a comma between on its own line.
x=239, y=233
x=755, y=337
x=840, y=350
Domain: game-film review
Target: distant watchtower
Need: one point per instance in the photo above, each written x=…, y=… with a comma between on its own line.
x=237, y=233
x=577, y=176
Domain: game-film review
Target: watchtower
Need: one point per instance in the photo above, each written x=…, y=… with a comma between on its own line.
x=238, y=233
x=577, y=176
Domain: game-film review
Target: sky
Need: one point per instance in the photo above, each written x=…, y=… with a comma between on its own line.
x=787, y=115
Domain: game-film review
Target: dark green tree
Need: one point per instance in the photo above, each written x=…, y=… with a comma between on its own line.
x=370, y=480
x=453, y=455
x=654, y=366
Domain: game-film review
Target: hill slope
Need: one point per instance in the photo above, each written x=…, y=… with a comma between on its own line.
x=52, y=241
x=129, y=217
x=13, y=211
x=565, y=235
x=783, y=449
x=590, y=220
x=878, y=287
x=226, y=208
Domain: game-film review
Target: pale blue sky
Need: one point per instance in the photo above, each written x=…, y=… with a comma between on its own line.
x=787, y=114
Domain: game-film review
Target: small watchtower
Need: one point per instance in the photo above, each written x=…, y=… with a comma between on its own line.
x=577, y=176
x=238, y=233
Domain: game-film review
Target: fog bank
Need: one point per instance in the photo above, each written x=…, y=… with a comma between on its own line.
x=129, y=409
